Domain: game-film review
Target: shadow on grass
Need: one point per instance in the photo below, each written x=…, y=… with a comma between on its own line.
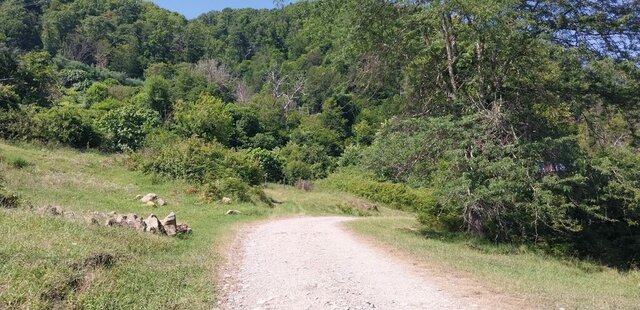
x=484, y=246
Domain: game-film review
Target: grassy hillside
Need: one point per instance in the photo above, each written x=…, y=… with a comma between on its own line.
x=42, y=258
x=47, y=261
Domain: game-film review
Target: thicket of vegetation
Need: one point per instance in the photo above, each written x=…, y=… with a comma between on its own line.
x=516, y=120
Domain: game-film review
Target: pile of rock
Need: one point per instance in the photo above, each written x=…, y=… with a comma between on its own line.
x=152, y=199
x=168, y=226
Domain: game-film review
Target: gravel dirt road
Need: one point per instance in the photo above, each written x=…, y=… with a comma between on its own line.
x=314, y=263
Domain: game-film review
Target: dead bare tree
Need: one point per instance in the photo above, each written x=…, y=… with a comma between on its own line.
x=243, y=93
x=77, y=47
x=215, y=72
x=101, y=55
x=286, y=89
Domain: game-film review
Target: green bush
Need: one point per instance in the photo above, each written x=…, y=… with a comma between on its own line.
x=305, y=162
x=18, y=124
x=97, y=92
x=19, y=163
x=70, y=126
x=245, y=166
x=196, y=161
x=126, y=127
x=297, y=170
x=394, y=195
x=207, y=118
x=70, y=77
x=271, y=163
x=549, y=192
x=191, y=159
x=8, y=97
x=230, y=187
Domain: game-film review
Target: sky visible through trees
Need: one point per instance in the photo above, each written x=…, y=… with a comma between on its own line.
x=194, y=8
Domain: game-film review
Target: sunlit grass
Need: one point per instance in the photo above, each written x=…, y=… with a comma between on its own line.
x=545, y=281
x=37, y=253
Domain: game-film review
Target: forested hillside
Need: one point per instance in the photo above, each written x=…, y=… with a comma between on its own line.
x=514, y=120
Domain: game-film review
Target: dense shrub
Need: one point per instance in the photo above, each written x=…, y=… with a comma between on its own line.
x=97, y=92
x=71, y=77
x=196, y=161
x=75, y=72
x=296, y=170
x=207, y=118
x=271, y=163
x=126, y=127
x=245, y=166
x=548, y=192
x=17, y=124
x=246, y=125
x=8, y=97
x=305, y=162
x=395, y=195
x=70, y=126
x=229, y=187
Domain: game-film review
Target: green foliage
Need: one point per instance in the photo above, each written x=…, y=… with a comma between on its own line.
x=37, y=78
x=247, y=126
x=8, y=97
x=312, y=132
x=363, y=132
x=547, y=192
x=465, y=100
x=97, y=93
x=19, y=24
x=245, y=166
x=270, y=162
x=395, y=195
x=198, y=161
x=207, y=118
x=305, y=162
x=68, y=126
x=230, y=187
x=126, y=127
x=19, y=163
x=159, y=98
x=18, y=124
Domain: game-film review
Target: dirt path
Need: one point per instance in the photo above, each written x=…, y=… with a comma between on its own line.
x=313, y=263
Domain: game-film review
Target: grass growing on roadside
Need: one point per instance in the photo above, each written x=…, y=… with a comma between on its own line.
x=40, y=255
x=553, y=282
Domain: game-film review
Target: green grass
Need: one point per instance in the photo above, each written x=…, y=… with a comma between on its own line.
x=546, y=281
x=42, y=258
x=39, y=255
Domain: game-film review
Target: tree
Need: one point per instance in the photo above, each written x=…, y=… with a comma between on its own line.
x=159, y=91
x=207, y=118
x=126, y=127
x=36, y=79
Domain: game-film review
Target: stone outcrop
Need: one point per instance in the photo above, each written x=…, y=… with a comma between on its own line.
x=151, y=200
x=168, y=226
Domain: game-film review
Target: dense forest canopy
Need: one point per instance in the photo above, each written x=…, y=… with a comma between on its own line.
x=519, y=118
